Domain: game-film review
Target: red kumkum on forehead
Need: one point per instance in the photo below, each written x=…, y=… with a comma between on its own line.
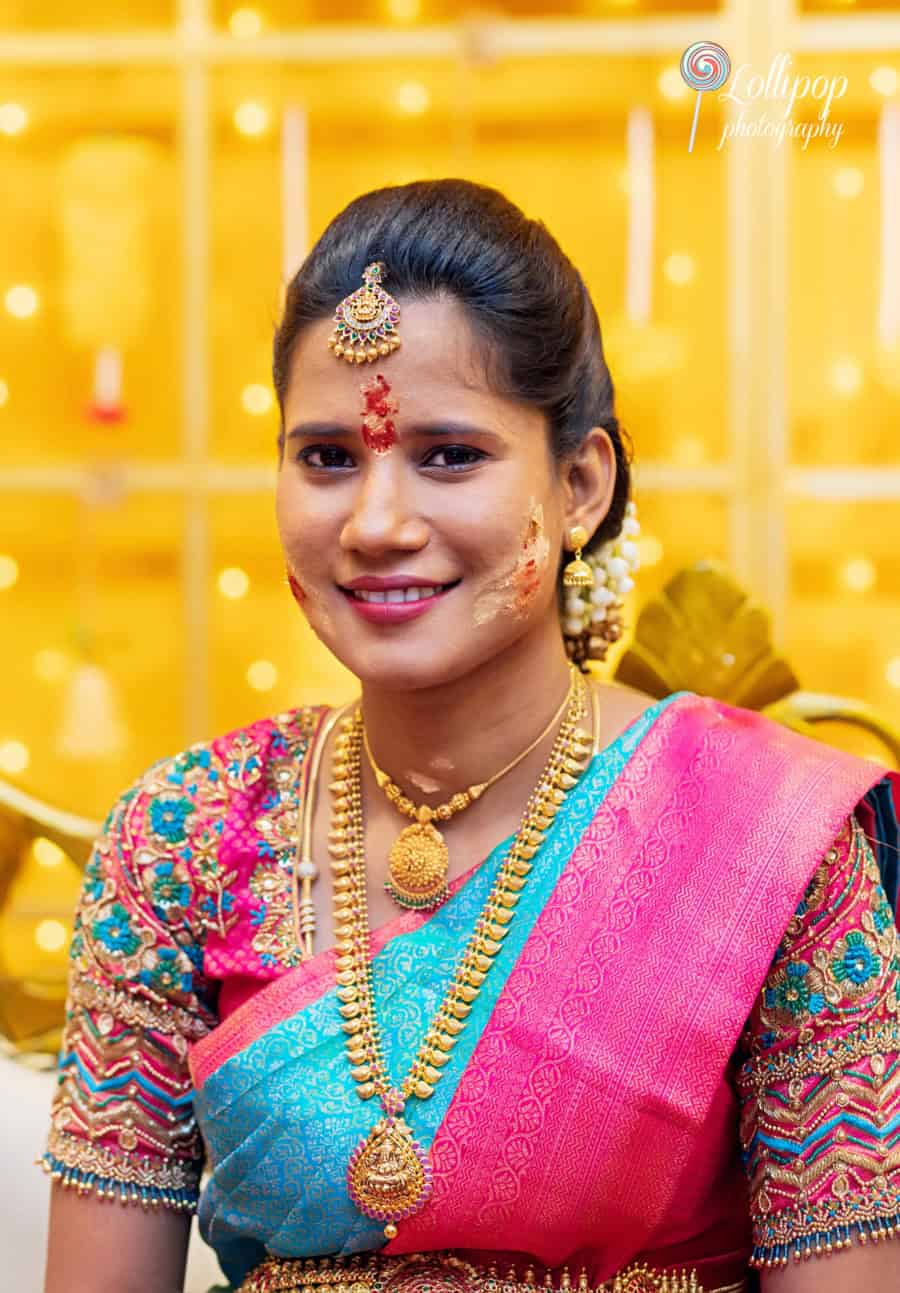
x=379, y=432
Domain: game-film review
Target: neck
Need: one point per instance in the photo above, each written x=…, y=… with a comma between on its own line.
x=438, y=740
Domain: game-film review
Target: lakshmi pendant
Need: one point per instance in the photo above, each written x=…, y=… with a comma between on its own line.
x=389, y=1173
x=418, y=865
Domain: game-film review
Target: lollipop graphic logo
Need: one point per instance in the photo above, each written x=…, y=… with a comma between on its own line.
x=704, y=66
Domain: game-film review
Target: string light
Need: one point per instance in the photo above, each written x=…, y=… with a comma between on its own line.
x=234, y=583
x=262, y=675
x=9, y=571
x=885, y=81
x=858, y=574
x=13, y=118
x=846, y=377
x=47, y=854
x=51, y=935
x=679, y=268
x=412, y=98
x=892, y=672
x=848, y=182
x=251, y=118
x=4, y=393
x=22, y=301
x=256, y=399
x=671, y=84
x=14, y=757
x=244, y=24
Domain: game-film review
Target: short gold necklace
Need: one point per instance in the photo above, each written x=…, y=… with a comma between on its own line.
x=419, y=859
x=389, y=1173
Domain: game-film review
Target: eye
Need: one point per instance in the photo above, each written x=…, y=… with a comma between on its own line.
x=458, y=457
x=330, y=457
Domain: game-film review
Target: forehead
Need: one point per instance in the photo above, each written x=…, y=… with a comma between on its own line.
x=440, y=359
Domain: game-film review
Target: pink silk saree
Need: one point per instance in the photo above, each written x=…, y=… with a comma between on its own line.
x=591, y=1119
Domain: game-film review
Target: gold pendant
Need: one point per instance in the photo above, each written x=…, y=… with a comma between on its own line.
x=418, y=866
x=389, y=1175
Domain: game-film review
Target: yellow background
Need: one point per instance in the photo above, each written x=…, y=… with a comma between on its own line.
x=773, y=444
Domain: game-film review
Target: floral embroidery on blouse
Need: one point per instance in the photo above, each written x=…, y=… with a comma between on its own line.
x=819, y=1081
x=187, y=882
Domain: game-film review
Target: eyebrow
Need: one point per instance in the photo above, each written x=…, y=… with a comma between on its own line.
x=444, y=429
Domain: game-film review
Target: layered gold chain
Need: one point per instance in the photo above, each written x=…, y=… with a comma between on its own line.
x=389, y=1174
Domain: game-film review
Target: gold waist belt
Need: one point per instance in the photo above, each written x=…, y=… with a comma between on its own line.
x=445, y=1273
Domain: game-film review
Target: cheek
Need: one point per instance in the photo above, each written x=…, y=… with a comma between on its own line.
x=514, y=590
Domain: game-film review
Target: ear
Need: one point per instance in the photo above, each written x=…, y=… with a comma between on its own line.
x=589, y=479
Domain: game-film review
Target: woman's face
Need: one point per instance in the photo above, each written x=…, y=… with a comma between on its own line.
x=412, y=471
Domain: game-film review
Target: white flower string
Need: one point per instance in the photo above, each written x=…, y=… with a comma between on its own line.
x=592, y=617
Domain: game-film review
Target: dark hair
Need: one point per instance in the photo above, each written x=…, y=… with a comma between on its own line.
x=519, y=290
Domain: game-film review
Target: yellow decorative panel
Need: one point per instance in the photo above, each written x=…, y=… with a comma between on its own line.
x=511, y=125
x=844, y=381
x=99, y=15
x=843, y=615
x=248, y=19
x=263, y=656
x=93, y=676
x=88, y=228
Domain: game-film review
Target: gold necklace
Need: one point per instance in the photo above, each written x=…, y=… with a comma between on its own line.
x=419, y=859
x=389, y=1173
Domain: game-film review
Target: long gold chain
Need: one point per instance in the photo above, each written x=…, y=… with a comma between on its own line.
x=419, y=859
x=389, y=1175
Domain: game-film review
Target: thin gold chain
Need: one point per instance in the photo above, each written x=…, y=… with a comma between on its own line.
x=463, y=798
x=571, y=749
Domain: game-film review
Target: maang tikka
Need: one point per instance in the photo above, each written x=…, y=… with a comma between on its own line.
x=366, y=321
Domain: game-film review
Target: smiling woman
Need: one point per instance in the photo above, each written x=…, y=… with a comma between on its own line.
x=597, y=989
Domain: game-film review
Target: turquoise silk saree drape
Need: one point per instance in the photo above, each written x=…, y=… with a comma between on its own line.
x=604, y=1026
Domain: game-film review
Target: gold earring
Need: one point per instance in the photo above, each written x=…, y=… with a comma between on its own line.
x=578, y=574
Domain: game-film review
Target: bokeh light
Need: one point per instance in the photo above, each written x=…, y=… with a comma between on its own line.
x=858, y=574
x=51, y=665
x=234, y=583
x=845, y=377
x=245, y=24
x=885, y=81
x=892, y=672
x=651, y=550
x=671, y=84
x=262, y=675
x=256, y=399
x=404, y=10
x=251, y=118
x=13, y=118
x=14, y=757
x=4, y=393
x=51, y=935
x=9, y=571
x=680, y=268
x=47, y=854
x=412, y=98
x=848, y=182
x=22, y=301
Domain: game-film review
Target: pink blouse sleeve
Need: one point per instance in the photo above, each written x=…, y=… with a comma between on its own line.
x=819, y=1075
x=122, y=1122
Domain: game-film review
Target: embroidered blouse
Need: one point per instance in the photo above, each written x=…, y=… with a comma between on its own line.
x=186, y=910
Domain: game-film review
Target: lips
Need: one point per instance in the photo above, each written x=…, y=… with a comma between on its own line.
x=395, y=605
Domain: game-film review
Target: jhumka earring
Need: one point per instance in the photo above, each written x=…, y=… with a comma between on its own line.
x=578, y=574
x=592, y=612
x=366, y=321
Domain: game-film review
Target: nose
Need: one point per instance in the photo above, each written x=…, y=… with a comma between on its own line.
x=383, y=517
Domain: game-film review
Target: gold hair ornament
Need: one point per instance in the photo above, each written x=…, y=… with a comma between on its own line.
x=366, y=321
x=419, y=859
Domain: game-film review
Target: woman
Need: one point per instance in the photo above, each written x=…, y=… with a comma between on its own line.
x=598, y=988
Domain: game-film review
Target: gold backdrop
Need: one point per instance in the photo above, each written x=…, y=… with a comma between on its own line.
x=141, y=593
